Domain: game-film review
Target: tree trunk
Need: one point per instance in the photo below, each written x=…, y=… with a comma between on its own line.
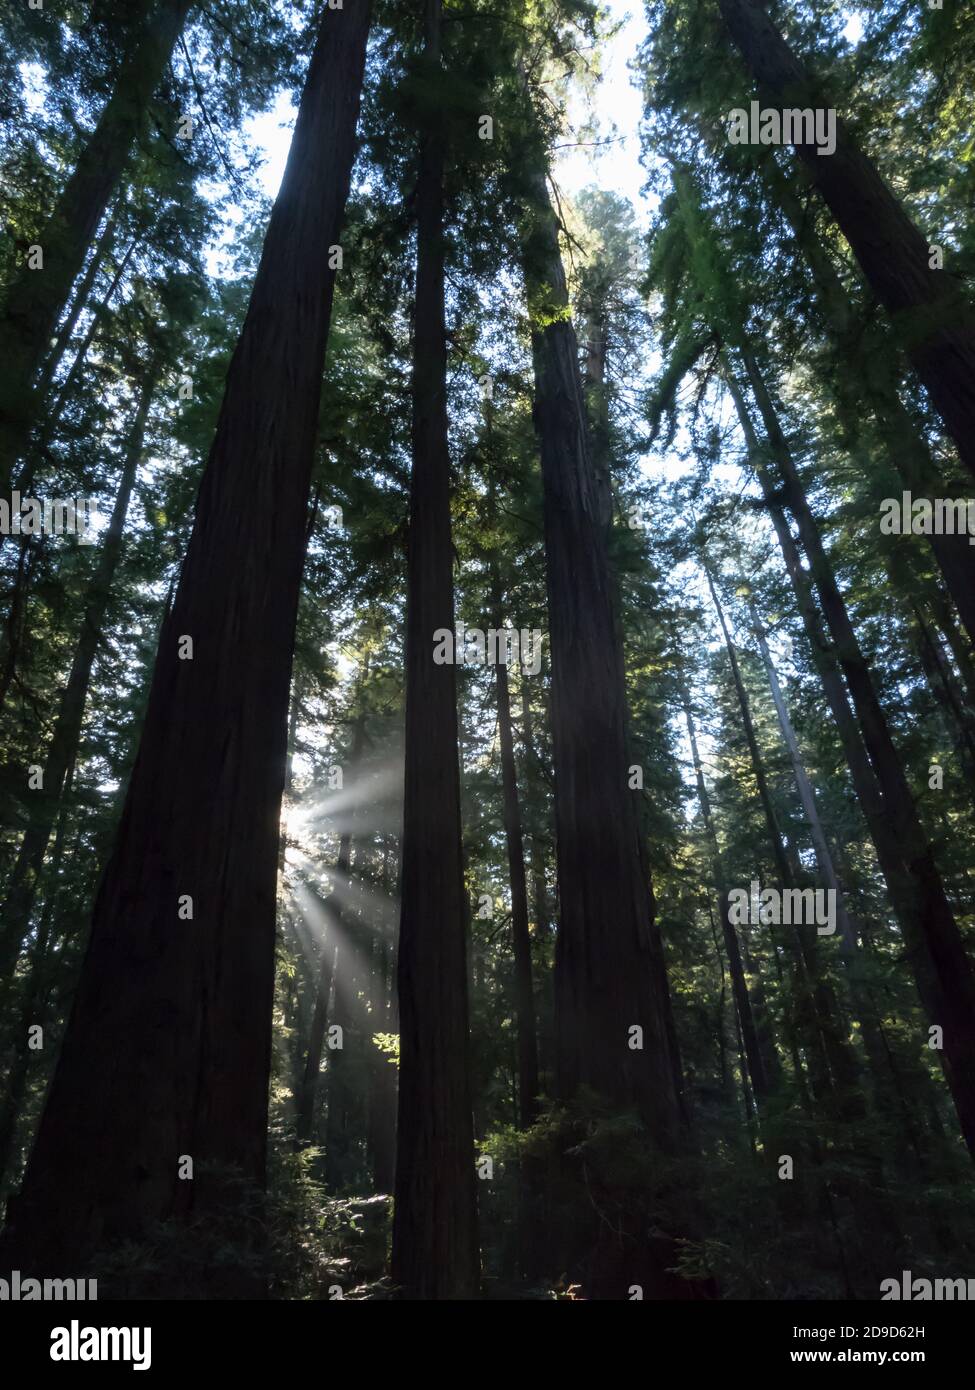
x=435, y=1247
x=863, y=1004
x=28, y=553
x=928, y=308
x=610, y=977
x=869, y=372
x=806, y=796
x=32, y=1011
x=753, y=1053
x=167, y=1051
x=944, y=686
x=334, y=909
x=329, y=959
x=520, y=938
x=829, y=1056
x=937, y=953
x=382, y=1085
x=22, y=888
x=536, y=858
x=610, y=973
x=36, y=298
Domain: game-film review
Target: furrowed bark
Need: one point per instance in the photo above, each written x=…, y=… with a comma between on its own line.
x=167, y=1051
x=610, y=971
x=610, y=974
x=520, y=938
x=435, y=1247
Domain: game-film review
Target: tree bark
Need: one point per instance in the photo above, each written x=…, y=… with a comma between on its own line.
x=435, y=1246
x=829, y=1056
x=610, y=973
x=824, y=859
x=520, y=938
x=167, y=1051
x=81, y=296
x=382, y=1088
x=52, y=415
x=32, y=1010
x=536, y=858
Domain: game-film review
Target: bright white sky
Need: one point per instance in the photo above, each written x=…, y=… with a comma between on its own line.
x=614, y=167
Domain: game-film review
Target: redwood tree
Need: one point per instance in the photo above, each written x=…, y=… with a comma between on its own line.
x=615, y=1037
x=435, y=1251
x=166, y=1054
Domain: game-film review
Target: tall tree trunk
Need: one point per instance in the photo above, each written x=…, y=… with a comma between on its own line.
x=540, y=907
x=961, y=650
x=782, y=865
x=36, y=298
x=28, y=553
x=810, y=810
x=32, y=1011
x=382, y=1089
x=721, y=1031
x=864, y=1006
x=937, y=953
x=754, y=1055
x=610, y=975
x=541, y=910
x=944, y=686
x=931, y=316
x=520, y=938
x=435, y=1246
x=63, y=749
x=167, y=1051
x=829, y=1055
